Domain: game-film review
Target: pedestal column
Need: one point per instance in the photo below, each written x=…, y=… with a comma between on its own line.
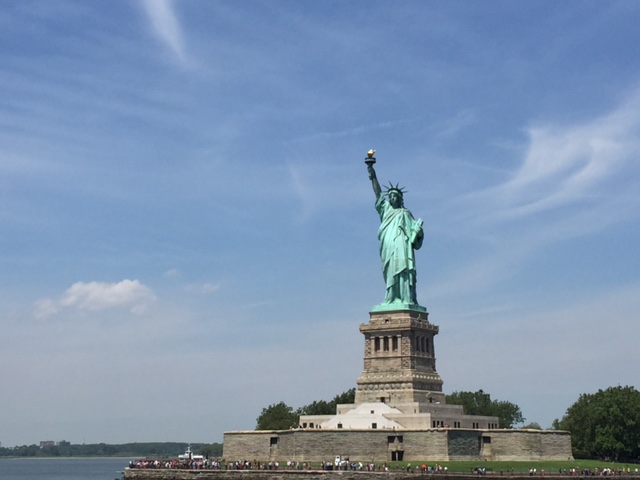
x=399, y=359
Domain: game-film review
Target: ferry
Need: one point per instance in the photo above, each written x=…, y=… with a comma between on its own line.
x=189, y=455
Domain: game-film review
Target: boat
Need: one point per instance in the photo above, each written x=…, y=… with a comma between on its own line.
x=189, y=455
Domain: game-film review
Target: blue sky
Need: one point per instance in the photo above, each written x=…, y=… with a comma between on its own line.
x=187, y=231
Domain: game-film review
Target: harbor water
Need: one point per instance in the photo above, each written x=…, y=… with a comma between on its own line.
x=62, y=468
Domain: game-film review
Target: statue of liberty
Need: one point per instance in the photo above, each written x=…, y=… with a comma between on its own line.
x=400, y=235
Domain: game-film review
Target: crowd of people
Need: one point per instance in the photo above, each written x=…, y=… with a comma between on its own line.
x=189, y=464
x=601, y=471
x=217, y=464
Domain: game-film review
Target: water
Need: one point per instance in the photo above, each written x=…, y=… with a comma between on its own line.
x=62, y=468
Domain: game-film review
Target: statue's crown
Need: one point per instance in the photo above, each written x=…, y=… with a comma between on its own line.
x=394, y=188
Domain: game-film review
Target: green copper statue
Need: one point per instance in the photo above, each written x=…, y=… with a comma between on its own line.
x=400, y=235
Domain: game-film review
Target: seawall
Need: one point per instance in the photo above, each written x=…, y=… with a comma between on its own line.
x=151, y=474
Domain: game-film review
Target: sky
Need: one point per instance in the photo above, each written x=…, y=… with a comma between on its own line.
x=188, y=232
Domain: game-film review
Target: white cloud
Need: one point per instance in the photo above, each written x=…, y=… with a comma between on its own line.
x=165, y=25
x=566, y=164
x=46, y=307
x=97, y=296
x=574, y=180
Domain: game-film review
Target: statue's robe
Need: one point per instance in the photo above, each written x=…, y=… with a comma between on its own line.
x=399, y=235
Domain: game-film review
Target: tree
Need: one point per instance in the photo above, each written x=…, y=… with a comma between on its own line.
x=480, y=403
x=532, y=426
x=212, y=450
x=281, y=416
x=322, y=407
x=508, y=413
x=605, y=424
x=345, y=397
x=317, y=407
x=278, y=416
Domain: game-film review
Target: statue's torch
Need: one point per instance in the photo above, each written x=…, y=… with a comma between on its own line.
x=370, y=160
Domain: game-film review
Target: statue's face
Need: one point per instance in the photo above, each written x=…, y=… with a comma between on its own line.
x=395, y=199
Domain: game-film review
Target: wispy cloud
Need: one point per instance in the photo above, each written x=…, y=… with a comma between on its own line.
x=166, y=26
x=172, y=273
x=97, y=296
x=458, y=122
x=587, y=167
x=353, y=131
x=567, y=164
x=574, y=180
x=317, y=187
x=206, y=288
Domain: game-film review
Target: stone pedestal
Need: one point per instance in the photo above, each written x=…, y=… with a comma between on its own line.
x=399, y=360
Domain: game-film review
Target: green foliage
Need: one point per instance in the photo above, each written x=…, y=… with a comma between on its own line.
x=317, y=407
x=480, y=403
x=605, y=424
x=281, y=416
x=532, y=426
x=345, y=397
x=151, y=449
x=213, y=450
x=321, y=407
x=278, y=416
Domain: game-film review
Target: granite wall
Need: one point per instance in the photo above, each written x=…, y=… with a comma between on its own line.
x=314, y=445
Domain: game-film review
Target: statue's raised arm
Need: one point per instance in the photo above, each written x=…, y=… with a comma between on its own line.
x=400, y=235
x=370, y=160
